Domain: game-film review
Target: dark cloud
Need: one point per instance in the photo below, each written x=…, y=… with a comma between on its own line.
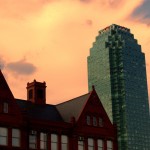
x=143, y=11
x=21, y=67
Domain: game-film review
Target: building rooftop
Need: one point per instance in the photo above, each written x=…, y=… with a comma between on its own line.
x=73, y=107
x=114, y=27
x=41, y=112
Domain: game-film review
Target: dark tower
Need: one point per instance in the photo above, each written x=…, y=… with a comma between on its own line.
x=116, y=67
x=36, y=92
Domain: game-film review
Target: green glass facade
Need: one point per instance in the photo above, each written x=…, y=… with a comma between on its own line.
x=116, y=67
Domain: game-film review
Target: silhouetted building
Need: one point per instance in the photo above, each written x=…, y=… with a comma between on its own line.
x=116, y=67
x=77, y=124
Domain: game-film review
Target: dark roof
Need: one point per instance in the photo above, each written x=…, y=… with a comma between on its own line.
x=60, y=112
x=41, y=112
x=73, y=107
x=5, y=92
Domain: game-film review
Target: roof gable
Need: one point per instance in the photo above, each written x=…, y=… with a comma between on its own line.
x=8, y=105
x=94, y=109
x=81, y=107
x=72, y=108
x=5, y=92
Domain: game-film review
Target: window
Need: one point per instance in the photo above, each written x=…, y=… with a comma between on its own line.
x=90, y=144
x=5, y=107
x=100, y=144
x=40, y=93
x=88, y=120
x=16, y=137
x=64, y=142
x=109, y=145
x=54, y=142
x=80, y=145
x=43, y=140
x=100, y=122
x=3, y=136
x=30, y=94
x=33, y=140
x=94, y=121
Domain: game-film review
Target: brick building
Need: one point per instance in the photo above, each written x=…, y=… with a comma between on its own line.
x=78, y=124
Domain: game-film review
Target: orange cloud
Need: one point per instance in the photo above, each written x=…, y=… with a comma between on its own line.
x=56, y=35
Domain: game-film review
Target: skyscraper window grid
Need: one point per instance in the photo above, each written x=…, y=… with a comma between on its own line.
x=116, y=67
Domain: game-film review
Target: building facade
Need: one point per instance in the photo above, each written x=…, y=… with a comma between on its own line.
x=116, y=67
x=77, y=124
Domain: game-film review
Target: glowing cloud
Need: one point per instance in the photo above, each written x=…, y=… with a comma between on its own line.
x=55, y=36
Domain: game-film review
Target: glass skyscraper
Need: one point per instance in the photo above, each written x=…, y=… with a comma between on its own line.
x=116, y=67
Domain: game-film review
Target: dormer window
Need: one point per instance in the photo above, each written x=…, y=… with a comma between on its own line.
x=94, y=121
x=88, y=120
x=5, y=107
x=100, y=122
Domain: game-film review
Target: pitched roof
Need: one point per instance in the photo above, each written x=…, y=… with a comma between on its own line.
x=41, y=112
x=73, y=107
x=5, y=92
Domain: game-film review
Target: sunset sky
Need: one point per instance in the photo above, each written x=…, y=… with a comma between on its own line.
x=49, y=40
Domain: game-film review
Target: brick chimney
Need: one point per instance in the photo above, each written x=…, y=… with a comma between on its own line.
x=36, y=92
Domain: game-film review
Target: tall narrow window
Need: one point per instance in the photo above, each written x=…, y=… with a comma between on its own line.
x=40, y=93
x=80, y=145
x=100, y=144
x=109, y=145
x=90, y=144
x=54, y=142
x=94, y=121
x=88, y=120
x=5, y=107
x=64, y=142
x=100, y=122
x=43, y=141
x=3, y=136
x=15, y=137
x=30, y=94
x=33, y=140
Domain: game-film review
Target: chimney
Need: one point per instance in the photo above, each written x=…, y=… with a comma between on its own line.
x=36, y=92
